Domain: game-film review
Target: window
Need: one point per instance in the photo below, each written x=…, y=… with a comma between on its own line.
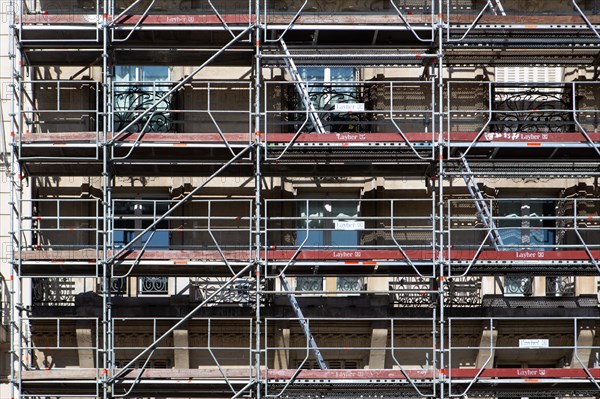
x=131, y=73
x=326, y=85
x=521, y=106
x=524, y=225
x=136, y=89
x=326, y=88
x=329, y=224
x=131, y=218
x=528, y=74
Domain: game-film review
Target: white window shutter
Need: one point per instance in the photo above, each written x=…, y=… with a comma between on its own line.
x=529, y=74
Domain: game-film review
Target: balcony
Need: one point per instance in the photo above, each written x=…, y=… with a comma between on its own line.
x=313, y=118
x=523, y=120
x=67, y=240
x=419, y=292
x=546, y=233
x=349, y=236
x=62, y=127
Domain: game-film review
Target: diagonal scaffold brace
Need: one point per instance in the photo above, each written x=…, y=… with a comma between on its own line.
x=303, y=322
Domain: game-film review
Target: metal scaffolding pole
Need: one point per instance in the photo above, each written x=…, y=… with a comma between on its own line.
x=16, y=323
x=107, y=339
x=258, y=262
x=439, y=29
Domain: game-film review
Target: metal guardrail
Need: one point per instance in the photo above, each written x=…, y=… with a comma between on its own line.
x=348, y=224
x=341, y=230
x=57, y=342
x=465, y=19
x=505, y=343
x=504, y=114
x=60, y=106
x=416, y=16
x=287, y=347
x=5, y=301
x=526, y=224
x=37, y=18
x=213, y=225
x=350, y=111
x=202, y=108
x=207, y=342
x=63, y=224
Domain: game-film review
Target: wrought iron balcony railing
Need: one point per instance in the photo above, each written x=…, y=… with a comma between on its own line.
x=55, y=291
x=532, y=109
x=131, y=99
x=417, y=292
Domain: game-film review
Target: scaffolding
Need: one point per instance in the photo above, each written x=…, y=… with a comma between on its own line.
x=411, y=291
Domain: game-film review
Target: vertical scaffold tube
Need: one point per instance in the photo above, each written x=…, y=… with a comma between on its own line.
x=106, y=208
x=440, y=181
x=257, y=192
x=14, y=203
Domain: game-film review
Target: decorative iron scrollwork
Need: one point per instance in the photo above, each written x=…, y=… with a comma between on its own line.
x=518, y=285
x=118, y=286
x=531, y=111
x=349, y=284
x=132, y=100
x=324, y=97
x=153, y=285
x=463, y=291
x=560, y=286
x=242, y=292
x=309, y=283
x=417, y=292
x=410, y=291
x=53, y=292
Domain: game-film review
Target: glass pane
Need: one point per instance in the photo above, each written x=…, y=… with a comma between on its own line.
x=542, y=230
x=342, y=74
x=325, y=227
x=344, y=211
x=312, y=74
x=146, y=73
x=526, y=231
x=125, y=73
x=510, y=231
x=313, y=237
x=154, y=73
x=132, y=217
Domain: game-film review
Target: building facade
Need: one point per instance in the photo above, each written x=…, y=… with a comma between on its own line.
x=300, y=199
